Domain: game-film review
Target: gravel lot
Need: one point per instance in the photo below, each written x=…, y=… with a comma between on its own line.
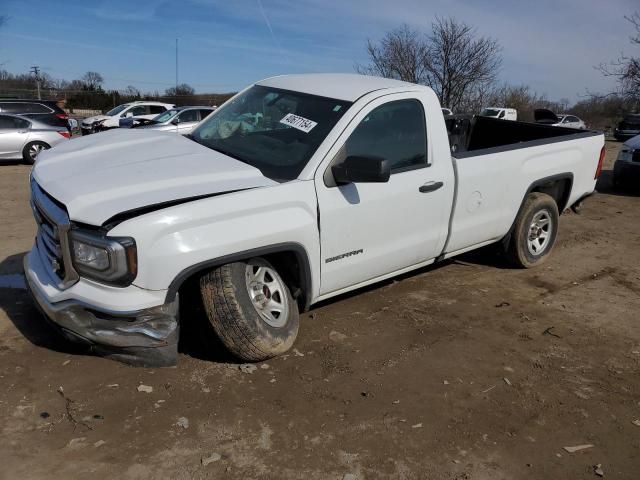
x=467, y=370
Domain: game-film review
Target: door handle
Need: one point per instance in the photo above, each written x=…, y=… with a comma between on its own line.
x=430, y=187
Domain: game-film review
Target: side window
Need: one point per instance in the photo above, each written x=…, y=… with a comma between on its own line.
x=13, y=107
x=188, y=116
x=396, y=132
x=156, y=109
x=137, y=110
x=12, y=123
x=39, y=108
x=204, y=114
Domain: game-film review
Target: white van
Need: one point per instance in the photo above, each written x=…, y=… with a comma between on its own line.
x=501, y=113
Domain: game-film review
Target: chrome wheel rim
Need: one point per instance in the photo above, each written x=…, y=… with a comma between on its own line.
x=34, y=150
x=267, y=292
x=540, y=231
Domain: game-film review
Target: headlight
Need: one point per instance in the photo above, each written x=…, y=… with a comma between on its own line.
x=111, y=260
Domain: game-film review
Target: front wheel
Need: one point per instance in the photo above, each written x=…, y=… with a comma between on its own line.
x=250, y=309
x=32, y=149
x=535, y=231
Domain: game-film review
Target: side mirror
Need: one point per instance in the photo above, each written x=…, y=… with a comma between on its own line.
x=361, y=170
x=128, y=115
x=175, y=121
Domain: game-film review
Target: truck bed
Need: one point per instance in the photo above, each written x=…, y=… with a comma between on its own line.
x=497, y=162
x=471, y=136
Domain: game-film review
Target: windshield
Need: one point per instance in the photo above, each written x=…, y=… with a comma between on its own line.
x=276, y=131
x=165, y=116
x=561, y=118
x=116, y=110
x=490, y=112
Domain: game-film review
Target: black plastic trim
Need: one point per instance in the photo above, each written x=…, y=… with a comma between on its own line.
x=298, y=249
x=527, y=144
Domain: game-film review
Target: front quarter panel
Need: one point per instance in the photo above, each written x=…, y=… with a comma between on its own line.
x=172, y=240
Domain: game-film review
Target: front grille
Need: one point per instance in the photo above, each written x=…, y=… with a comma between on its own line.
x=52, y=240
x=635, y=155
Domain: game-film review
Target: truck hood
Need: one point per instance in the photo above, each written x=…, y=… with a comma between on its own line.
x=102, y=175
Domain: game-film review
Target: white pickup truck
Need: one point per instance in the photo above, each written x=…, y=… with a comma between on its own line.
x=298, y=189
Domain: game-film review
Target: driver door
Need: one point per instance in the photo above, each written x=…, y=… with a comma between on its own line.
x=369, y=230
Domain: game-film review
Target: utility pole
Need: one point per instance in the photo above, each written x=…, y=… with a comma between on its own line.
x=176, y=66
x=36, y=73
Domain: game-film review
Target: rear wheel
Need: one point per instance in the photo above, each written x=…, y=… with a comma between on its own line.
x=32, y=149
x=250, y=309
x=535, y=231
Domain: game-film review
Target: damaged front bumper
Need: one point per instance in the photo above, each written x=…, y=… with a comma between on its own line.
x=147, y=337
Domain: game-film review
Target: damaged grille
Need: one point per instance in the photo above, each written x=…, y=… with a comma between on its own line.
x=52, y=240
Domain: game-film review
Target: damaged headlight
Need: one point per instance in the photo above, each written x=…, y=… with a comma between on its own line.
x=111, y=260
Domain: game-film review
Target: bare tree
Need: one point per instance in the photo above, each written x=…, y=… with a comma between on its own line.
x=452, y=59
x=459, y=61
x=179, y=91
x=626, y=69
x=401, y=54
x=92, y=80
x=131, y=91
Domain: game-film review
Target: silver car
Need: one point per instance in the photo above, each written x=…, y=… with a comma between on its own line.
x=179, y=120
x=24, y=138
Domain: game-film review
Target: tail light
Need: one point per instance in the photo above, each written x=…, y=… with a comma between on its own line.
x=64, y=133
x=600, y=162
x=62, y=116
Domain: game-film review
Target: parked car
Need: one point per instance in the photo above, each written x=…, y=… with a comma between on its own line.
x=570, y=121
x=300, y=188
x=111, y=119
x=627, y=166
x=628, y=128
x=500, y=113
x=446, y=111
x=44, y=111
x=545, y=116
x=180, y=120
x=24, y=138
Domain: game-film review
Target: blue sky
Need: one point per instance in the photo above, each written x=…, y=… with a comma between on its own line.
x=551, y=45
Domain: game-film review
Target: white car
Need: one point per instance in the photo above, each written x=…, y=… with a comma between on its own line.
x=500, y=113
x=178, y=120
x=570, y=121
x=298, y=189
x=111, y=119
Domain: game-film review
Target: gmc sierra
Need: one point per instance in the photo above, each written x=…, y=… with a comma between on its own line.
x=297, y=189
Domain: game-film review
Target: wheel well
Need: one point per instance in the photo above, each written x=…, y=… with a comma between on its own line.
x=559, y=189
x=291, y=263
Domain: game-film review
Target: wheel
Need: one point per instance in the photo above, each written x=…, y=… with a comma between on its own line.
x=32, y=149
x=535, y=231
x=250, y=309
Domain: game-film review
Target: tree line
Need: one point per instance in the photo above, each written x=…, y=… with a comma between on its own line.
x=89, y=92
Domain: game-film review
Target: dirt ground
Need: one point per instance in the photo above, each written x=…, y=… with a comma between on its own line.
x=467, y=370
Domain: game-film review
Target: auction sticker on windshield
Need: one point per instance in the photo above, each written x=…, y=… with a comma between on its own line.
x=298, y=122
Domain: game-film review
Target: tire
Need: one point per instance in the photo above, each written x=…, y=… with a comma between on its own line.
x=233, y=295
x=31, y=151
x=535, y=231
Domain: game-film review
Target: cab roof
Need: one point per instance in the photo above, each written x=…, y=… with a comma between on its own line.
x=341, y=86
